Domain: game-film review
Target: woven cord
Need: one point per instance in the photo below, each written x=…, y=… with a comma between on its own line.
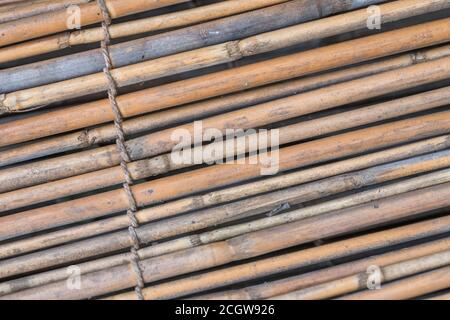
x=124, y=155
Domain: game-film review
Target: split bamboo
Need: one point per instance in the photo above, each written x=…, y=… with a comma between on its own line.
x=89, y=137
x=251, y=245
x=89, y=13
x=245, y=208
x=408, y=288
x=361, y=281
x=213, y=55
x=256, y=116
x=210, y=177
x=313, y=278
x=228, y=81
x=138, y=26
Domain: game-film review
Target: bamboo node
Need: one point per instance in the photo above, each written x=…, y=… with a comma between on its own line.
x=3, y=107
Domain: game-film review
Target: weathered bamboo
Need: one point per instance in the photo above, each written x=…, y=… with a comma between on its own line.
x=210, y=217
x=313, y=278
x=228, y=81
x=269, y=266
x=209, y=56
x=360, y=281
x=90, y=137
x=256, y=116
x=408, y=288
x=260, y=268
x=221, y=175
x=32, y=8
x=165, y=21
x=89, y=13
x=232, y=194
x=152, y=47
x=251, y=245
x=445, y=296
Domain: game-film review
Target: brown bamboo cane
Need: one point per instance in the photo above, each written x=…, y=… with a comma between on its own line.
x=408, y=288
x=90, y=13
x=228, y=81
x=255, y=116
x=221, y=175
x=360, y=281
x=251, y=245
x=291, y=261
x=90, y=137
x=314, y=278
x=138, y=26
x=296, y=132
x=231, y=194
x=265, y=267
x=28, y=9
x=226, y=213
x=209, y=56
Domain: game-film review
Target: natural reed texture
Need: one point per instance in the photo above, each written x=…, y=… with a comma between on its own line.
x=408, y=288
x=89, y=13
x=229, y=81
x=252, y=244
x=255, y=116
x=309, y=279
x=106, y=133
x=138, y=26
x=360, y=281
x=221, y=175
x=204, y=57
x=229, y=212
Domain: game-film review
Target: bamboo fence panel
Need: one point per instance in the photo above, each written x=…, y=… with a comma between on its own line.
x=209, y=56
x=229, y=81
x=315, y=278
x=90, y=137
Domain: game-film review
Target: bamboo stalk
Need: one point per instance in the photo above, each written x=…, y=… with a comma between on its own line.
x=228, y=81
x=221, y=175
x=445, y=296
x=360, y=281
x=256, y=116
x=90, y=137
x=291, y=261
x=313, y=278
x=232, y=194
x=250, y=245
x=32, y=8
x=138, y=26
x=210, y=217
x=213, y=55
x=90, y=13
x=408, y=288
x=152, y=47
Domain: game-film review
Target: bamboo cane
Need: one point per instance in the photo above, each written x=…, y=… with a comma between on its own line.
x=152, y=47
x=222, y=175
x=232, y=194
x=229, y=81
x=28, y=9
x=226, y=213
x=138, y=26
x=209, y=56
x=250, y=245
x=360, y=281
x=90, y=137
x=408, y=288
x=89, y=13
x=313, y=278
x=445, y=296
x=256, y=116
x=291, y=261
x=271, y=265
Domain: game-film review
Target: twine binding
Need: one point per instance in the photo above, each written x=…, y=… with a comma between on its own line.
x=121, y=146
